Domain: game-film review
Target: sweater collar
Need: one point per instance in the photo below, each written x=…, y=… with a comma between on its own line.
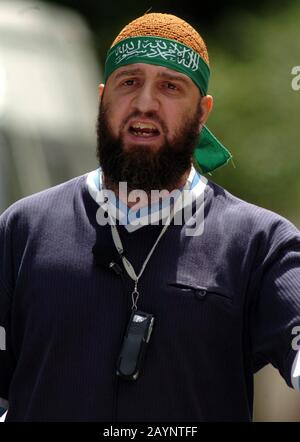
x=157, y=212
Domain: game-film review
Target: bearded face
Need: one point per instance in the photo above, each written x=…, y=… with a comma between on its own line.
x=140, y=165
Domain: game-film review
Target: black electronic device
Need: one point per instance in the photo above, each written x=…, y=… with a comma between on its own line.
x=134, y=346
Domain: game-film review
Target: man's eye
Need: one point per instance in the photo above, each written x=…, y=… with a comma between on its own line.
x=128, y=83
x=171, y=86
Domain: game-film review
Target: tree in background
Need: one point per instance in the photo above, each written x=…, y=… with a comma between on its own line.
x=256, y=109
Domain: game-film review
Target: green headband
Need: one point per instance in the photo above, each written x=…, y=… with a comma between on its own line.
x=209, y=153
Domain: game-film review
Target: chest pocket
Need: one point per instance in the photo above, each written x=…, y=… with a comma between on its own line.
x=202, y=293
x=205, y=311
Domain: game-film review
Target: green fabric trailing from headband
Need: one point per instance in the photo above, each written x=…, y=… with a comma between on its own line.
x=209, y=152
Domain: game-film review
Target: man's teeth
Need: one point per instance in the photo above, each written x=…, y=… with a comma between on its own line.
x=143, y=134
x=144, y=129
x=144, y=126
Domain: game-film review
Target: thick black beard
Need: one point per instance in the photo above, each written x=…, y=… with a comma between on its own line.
x=140, y=166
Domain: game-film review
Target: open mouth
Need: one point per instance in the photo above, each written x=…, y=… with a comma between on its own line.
x=144, y=130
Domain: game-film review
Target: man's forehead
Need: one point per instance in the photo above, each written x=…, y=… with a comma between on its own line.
x=156, y=70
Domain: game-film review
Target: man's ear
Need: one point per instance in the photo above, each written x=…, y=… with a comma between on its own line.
x=206, y=105
x=101, y=90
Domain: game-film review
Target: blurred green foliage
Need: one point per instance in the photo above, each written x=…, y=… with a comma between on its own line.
x=256, y=111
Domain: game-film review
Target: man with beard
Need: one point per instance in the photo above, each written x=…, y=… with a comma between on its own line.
x=103, y=319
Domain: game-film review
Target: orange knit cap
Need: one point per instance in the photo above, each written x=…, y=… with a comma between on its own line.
x=166, y=26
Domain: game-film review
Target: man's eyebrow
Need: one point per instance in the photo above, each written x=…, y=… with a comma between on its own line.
x=128, y=72
x=174, y=77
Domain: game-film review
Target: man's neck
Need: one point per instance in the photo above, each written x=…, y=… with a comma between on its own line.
x=142, y=199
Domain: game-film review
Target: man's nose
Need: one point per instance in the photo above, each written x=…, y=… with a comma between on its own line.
x=146, y=99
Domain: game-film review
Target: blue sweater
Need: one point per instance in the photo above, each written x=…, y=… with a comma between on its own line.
x=225, y=304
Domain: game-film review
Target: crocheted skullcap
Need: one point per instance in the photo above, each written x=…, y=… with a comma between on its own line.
x=167, y=26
